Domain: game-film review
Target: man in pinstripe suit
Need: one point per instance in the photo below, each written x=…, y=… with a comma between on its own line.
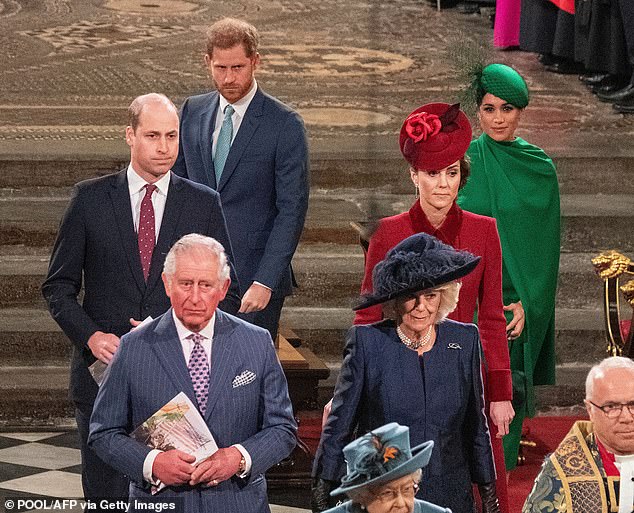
x=243, y=396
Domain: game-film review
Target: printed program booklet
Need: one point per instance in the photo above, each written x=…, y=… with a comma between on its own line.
x=177, y=425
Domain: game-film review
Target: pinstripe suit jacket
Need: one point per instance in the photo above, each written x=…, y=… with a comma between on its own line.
x=149, y=369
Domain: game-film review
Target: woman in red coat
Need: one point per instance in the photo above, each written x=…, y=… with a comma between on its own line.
x=434, y=140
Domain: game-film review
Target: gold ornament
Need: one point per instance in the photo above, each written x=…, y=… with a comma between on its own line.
x=610, y=264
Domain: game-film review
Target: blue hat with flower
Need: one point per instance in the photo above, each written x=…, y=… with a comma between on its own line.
x=381, y=456
x=417, y=263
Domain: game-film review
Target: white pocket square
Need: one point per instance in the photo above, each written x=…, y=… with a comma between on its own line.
x=243, y=379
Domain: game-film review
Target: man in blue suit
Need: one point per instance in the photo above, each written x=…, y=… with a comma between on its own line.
x=252, y=149
x=98, y=246
x=227, y=367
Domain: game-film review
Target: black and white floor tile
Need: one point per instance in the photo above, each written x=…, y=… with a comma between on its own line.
x=38, y=465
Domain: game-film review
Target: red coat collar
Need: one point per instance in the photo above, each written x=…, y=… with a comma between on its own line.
x=448, y=231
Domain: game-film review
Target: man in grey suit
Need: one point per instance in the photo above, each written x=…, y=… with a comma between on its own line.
x=226, y=366
x=252, y=149
x=113, y=239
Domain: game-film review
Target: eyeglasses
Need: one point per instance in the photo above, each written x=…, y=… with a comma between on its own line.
x=614, y=410
x=388, y=496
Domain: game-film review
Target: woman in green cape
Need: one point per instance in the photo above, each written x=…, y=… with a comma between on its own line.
x=515, y=182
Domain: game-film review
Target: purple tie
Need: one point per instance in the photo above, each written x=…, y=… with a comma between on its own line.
x=147, y=229
x=199, y=371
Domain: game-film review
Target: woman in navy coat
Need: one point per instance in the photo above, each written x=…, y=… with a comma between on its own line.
x=419, y=370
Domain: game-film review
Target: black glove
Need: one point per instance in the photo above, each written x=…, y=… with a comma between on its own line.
x=320, y=499
x=489, y=498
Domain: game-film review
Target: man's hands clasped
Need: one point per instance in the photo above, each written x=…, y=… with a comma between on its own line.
x=176, y=467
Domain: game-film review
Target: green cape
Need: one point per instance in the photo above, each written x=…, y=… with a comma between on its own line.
x=516, y=183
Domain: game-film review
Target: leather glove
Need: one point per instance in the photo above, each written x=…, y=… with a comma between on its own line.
x=320, y=499
x=489, y=498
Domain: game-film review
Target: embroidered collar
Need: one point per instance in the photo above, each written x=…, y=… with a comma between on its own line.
x=448, y=231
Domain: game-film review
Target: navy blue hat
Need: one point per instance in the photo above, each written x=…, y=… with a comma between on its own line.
x=381, y=456
x=418, y=263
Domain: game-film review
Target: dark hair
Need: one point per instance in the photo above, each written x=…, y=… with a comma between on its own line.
x=229, y=32
x=465, y=171
x=479, y=93
x=136, y=107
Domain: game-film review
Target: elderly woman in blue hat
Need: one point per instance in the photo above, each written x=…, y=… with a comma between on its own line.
x=384, y=473
x=418, y=369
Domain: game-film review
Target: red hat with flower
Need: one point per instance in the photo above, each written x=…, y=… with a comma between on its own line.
x=435, y=136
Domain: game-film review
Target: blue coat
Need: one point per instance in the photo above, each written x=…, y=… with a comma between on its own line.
x=264, y=185
x=439, y=396
x=149, y=369
x=419, y=507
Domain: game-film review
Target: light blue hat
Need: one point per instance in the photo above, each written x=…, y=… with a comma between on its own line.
x=381, y=456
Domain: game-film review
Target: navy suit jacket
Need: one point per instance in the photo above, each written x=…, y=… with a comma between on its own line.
x=264, y=185
x=439, y=396
x=97, y=244
x=149, y=369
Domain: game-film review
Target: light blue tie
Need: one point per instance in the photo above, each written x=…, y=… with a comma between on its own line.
x=223, y=144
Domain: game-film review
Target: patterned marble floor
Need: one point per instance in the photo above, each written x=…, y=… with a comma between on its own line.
x=46, y=465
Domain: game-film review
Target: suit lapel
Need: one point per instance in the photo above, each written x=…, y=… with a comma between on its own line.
x=171, y=217
x=223, y=360
x=120, y=196
x=207, y=124
x=248, y=127
x=169, y=352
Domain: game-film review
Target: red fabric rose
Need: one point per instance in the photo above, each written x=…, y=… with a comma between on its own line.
x=422, y=125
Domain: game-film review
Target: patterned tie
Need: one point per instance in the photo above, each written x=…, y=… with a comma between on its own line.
x=146, y=236
x=199, y=371
x=223, y=144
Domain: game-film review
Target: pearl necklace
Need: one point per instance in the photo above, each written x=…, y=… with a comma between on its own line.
x=415, y=344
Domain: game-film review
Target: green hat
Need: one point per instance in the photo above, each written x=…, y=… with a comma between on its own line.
x=504, y=82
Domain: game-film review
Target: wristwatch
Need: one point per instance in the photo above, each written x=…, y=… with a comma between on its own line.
x=243, y=465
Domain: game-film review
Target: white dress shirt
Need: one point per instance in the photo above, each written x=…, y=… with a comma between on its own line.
x=188, y=345
x=625, y=464
x=136, y=189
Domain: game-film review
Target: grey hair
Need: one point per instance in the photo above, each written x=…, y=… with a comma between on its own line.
x=449, y=293
x=196, y=242
x=136, y=107
x=365, y=494
x=598, y=371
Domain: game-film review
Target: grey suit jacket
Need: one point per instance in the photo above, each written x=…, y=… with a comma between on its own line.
x=149, y=369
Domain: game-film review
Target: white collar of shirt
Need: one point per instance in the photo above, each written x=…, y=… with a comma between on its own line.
x=159, y=198
x=136, y=183
x=625, y=464
x=187, y=344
